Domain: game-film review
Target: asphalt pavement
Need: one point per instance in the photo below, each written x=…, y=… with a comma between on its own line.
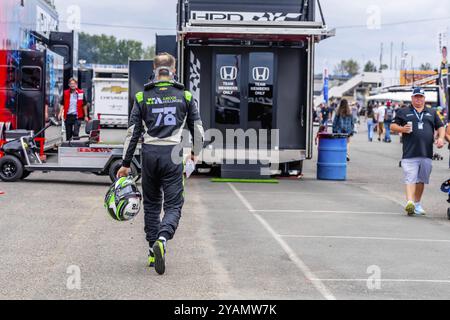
x=299, y=239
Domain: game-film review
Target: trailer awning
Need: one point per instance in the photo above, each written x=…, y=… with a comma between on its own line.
x=256, y=30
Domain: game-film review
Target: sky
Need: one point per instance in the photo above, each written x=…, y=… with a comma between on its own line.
x=361, y=26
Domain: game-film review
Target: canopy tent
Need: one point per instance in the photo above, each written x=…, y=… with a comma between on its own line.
x=403, y=96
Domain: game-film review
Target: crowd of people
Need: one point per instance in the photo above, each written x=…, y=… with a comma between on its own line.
x=342, y=117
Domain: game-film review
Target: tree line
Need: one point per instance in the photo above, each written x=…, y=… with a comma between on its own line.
x=103, y=49
x=351, y=67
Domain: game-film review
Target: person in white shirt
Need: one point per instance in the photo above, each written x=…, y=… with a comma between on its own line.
x=381, y=111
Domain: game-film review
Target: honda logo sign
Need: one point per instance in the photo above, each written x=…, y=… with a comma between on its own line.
x=228, y=73
x=261, y=74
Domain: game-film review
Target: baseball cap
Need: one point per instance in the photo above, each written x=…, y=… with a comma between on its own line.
x=418, y=92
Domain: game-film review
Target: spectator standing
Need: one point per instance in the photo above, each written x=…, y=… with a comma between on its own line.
x=388, y=118
x=375, y=119
x=381, y=110
x=343, y=123
x=370, y=119
x=418, y=126
x=355, y=116
x=325, y=115
x=74, y=109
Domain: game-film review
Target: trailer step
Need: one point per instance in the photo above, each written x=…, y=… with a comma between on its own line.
x=244, y=171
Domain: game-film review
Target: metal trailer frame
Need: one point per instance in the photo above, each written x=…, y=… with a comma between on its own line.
x=94, y=159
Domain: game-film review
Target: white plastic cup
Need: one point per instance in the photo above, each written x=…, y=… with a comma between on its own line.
x=410, y=123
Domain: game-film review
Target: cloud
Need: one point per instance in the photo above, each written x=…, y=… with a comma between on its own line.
x=125, y=13
x=360, y=43
x=363, y=44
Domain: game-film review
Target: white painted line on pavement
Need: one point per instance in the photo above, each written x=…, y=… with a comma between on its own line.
x=386, y=280
x=309, y=275
x=325, y=211
x=365, y=238
x=301, y=193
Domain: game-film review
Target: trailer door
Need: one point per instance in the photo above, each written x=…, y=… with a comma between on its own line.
x=292, y=96
x=244, y=89
x=262, y=88
x=229, y=93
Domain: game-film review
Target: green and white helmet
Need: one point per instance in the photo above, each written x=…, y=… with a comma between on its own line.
x=123, y=199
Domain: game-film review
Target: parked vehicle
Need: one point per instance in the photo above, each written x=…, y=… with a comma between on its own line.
x=110, y=96
x=22, y=156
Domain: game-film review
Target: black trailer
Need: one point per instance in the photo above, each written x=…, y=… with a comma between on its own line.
x=66, y=45
x=85, y=83
x=167, y=43
x=32, y=83
x=140, y=73
x=31, y=86
x=250, y=65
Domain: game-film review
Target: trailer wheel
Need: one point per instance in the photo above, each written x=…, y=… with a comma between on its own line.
x=11, y=169
x=115, y=166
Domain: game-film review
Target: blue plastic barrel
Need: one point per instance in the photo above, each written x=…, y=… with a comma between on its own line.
x=332, y=162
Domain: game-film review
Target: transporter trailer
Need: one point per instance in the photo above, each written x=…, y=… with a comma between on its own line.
x=250, y=66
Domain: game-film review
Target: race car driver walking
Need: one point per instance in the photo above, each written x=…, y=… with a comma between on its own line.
x=161, y=113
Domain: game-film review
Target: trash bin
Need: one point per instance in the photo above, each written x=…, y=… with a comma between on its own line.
x=332, y=162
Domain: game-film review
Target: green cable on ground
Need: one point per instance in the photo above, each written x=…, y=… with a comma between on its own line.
x=225, y=180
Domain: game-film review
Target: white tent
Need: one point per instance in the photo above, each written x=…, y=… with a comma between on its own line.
x=405, y=96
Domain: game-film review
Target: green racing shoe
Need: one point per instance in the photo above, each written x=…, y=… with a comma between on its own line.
x=151, y=259
x=159, y=250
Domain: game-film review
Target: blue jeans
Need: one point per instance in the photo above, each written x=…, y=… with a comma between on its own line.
x=370, y=127
x=387, y=126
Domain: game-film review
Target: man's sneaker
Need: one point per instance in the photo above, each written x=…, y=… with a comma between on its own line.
x=159, y=249
x=410, y=208
x=151, y=259
x=419, y=210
